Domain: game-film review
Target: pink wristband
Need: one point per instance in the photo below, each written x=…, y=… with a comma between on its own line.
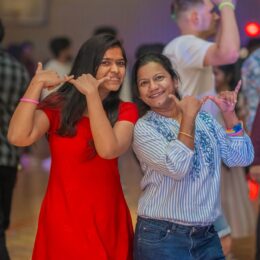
x=29, y=100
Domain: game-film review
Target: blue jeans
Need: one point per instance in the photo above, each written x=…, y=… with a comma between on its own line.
x=163, y=240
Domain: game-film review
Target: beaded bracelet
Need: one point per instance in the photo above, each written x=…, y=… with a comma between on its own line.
x=29, y=100
x=236, y=129
x=239, y=133
x=225, y=3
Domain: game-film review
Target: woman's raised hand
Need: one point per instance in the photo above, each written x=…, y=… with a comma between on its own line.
x=189, y=105
x=87, y=84
x=226, y=100
x=48, y=78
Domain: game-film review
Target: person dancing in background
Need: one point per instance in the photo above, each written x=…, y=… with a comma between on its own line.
x=234, y=191
x=84, y=214
x=180, y=151
x=13, y=81
x=255, y=171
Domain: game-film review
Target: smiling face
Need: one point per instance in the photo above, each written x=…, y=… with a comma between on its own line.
x=113, y=65
x=154, y=86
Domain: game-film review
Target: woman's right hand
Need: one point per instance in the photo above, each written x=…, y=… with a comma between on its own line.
x=189, y=105
x=47, y=78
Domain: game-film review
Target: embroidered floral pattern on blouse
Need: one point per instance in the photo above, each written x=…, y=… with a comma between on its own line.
x=161, y=126
x=202, y=146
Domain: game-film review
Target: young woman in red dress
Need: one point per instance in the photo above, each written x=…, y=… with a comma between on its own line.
x=84, y=215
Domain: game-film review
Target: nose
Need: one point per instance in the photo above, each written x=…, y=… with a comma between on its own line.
x=114, y=67
x=153, y=85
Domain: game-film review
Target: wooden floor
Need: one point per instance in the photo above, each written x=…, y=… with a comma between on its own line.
x=29, y=191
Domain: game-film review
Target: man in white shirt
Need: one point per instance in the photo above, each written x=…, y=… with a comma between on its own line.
x=192, y=55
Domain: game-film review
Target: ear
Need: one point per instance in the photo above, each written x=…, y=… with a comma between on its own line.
x=194, y=17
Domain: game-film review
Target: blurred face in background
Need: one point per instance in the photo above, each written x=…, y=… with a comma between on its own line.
x=208, y=19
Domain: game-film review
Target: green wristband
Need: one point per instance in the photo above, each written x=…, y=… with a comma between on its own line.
x=225, y=3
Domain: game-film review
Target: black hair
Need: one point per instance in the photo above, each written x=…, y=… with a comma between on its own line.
x=72, y=103
x=140, y=62
x=2, y=31
x=253, y=44
x=105, y=29
x=149, y=48
x=59, y=44
x=231, y=73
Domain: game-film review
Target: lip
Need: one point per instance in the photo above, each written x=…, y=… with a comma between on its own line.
x=116, y=81
x=156, y=95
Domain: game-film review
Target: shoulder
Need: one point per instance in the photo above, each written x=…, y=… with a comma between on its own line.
x=205, y=116
x=53, y=116
x=128, y=112
x=52, y=113
x=184, y=41
x=148, y=122
x=207, y=120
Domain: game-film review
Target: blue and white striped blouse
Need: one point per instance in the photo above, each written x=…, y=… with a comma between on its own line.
x=181, y=185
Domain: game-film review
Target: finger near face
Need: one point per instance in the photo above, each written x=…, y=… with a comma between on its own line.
x=113, y=68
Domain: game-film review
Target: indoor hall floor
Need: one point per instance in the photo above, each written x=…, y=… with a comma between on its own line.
x=29, y=191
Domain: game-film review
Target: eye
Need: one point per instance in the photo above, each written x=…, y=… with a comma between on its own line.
x=159, y=78
x=105, y=63
x=121, y=63
x=142, y=83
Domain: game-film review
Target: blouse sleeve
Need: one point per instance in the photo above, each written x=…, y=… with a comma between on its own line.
x=235, y=151
x=172, y=159
x=128, y=112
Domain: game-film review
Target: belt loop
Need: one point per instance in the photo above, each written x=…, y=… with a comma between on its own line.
x=207, y=229
x=192, y=230
x=173, y=227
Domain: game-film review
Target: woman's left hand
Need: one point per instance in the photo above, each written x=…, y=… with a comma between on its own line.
x=226, y=100
x=87, y=84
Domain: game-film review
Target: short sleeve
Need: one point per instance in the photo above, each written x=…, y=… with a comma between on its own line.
x=128, y=112
x=187, y=51
x=53, y=116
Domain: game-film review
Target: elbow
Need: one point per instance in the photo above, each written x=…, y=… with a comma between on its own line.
x=231, y=56
x=107, y=154
x=16, y=140
x=178, y=176
x=13, y=140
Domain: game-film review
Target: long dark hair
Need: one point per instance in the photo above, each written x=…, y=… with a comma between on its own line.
x=143, y=60
x=71, y=102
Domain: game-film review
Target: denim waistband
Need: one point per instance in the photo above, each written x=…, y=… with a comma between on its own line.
x=176, y=227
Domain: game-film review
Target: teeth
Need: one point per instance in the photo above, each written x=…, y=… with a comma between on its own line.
x=155, y=95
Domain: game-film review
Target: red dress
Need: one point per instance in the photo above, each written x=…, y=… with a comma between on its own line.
x=84, y=215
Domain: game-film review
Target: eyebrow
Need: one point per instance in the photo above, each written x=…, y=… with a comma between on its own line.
x=113, y=59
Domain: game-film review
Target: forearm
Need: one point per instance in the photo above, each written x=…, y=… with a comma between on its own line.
x=228, y=40
x=230, y=119
x=172, y=159
x=21, y=123
x=105, y=140
x=186, y=131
